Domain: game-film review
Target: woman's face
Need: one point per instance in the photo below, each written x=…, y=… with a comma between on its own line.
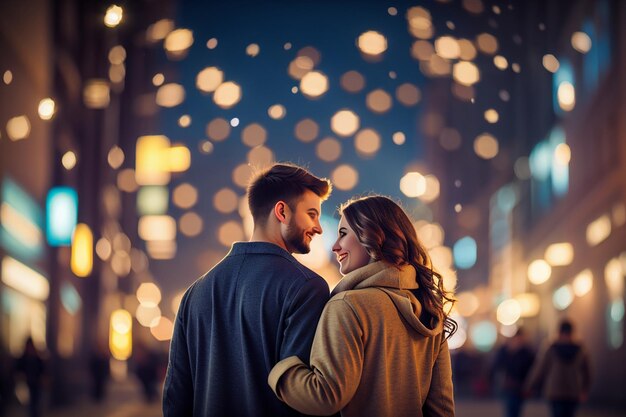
x=351, y=254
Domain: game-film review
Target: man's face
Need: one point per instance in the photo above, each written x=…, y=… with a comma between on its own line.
x=303, y=223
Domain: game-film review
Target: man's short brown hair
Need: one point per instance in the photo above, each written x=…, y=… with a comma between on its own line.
x=286, y=182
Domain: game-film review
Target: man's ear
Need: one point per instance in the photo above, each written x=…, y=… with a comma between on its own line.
x=281, y=211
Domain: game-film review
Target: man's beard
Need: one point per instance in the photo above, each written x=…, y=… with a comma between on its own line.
x=296, y=239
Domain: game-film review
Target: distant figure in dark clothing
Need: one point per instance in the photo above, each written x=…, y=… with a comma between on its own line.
x=32, y=366
x=514, y=360
x=565, y=373
x=99, y=367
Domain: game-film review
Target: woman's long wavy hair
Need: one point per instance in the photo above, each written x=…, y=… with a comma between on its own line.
x=387, y=233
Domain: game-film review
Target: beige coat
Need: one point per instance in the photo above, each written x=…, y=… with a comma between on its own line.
x=371, y=355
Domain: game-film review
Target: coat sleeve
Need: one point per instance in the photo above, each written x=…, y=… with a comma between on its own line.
x=178, y=387
x=440, y=399
x=330, y=382
x=303, y=316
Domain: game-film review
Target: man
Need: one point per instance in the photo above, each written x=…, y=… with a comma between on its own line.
x=255, y=307
x=565, y=372
x=514, y=360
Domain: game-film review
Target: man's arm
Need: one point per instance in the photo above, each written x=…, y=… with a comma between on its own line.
x=178, y=388
x=301, y=322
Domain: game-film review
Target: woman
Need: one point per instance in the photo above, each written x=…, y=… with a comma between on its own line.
x=380, y=348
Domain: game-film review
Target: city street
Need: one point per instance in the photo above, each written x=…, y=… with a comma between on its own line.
x=124, y=401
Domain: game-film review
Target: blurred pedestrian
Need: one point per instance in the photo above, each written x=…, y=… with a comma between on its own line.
x=99, y=367
x=511, y=366
x=564, y=370
x=32, y=366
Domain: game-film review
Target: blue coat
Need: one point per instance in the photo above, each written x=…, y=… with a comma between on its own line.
x=257, y=306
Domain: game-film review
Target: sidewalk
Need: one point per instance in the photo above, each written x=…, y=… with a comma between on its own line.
x=533, y=408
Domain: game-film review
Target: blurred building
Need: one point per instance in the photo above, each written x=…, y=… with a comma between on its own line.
x=74, y=75
x=551, y=212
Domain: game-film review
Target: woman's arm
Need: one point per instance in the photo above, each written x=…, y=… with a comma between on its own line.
x=336, y=364
x=440, y=399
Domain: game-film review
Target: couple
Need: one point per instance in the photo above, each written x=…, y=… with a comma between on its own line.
x=243, y=332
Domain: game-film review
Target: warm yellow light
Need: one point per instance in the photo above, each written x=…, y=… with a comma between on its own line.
x=152, y=160
x=254, y=135
x=218, y=129
x=567, y=96
x=260, y=156
x=82, y=251
x=581, y=42
x=447, y=47
x=539, y=271
x=529, y=304
x=209, y=79
x=487, y=43
x=7, y=77
x=486, y=146
x=46, y=109
x=161, y=249
x=178, y=41
x=408, y=94
x=148, y=294
x=230, y=232
x=508, y=312
x=583, y=283
x=253, y=49
x=614, y=278
x=24, y=279
x=103, y=248
x=345, y=177
x=113, y=16
x=306, y=130
x=378, y=101
x=227, y=95
x=367, y=143
x=157, y=227
x=18, y=128
x=468, y=50
x=314, y=84
x=170, y=95
x=120, y=334
x=598, y=230
x=465, y=73
x=190, y=224
x=344, y=123
x=551, y=63
x=20, y=226
x=176, y=300
x=184, y=120
x=492, y=116
x=328, y=149
x=430, y=234
x=212, y=43
x=500, y=62
x=277, y=111
x=163, y=329
x=241, y=175
x=562, y=154
x=148, y=315
x=399, y=138
x=372, y=43
x=185, y=196
x=559, y=254
x=179, y=158
x=68, y=160
x=115, y=157
x=96, y=94
x=225, y=201
x=433, y=188
x=413, y=184
x=467, y=303
x=352, y=82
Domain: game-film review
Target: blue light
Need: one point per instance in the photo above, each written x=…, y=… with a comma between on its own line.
x=61, y=215
x=464, y=251
x=560, y=172
x=70, y=298
x=21, y=202
x=506, y=198
x=541, y=161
